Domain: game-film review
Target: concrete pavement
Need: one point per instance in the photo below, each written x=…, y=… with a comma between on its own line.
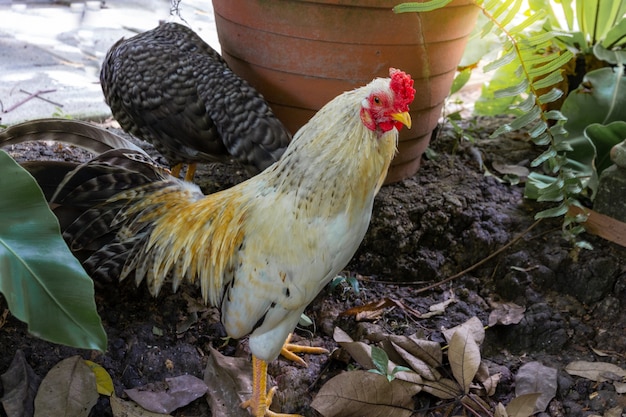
x=50, y=54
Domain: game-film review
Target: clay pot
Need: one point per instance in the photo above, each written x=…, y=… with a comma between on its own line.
x=301, y=54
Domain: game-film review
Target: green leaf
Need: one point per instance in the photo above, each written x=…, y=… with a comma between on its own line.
x=44, y=284
x=558, y=211
x=420, y=7
x=380, y=360
x=513, y=90
x=536, y=183
x=550, y=153
x=529, y=21
x=601, y=98
x=548, y=81
x=460, y=80
x=555, y=64
x=551, y=96
x=604, y=137
x=616, y=36
x=505, y=59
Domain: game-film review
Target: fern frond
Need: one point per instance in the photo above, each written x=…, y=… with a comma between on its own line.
x=549, y=81
x=552, y=66
x=550, y=97
x=515, y=90
x=528, y=22
x=507, y=58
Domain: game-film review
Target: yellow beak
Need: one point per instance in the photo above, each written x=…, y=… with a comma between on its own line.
x=404, y=118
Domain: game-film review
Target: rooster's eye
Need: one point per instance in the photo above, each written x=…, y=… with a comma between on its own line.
x=376, y=100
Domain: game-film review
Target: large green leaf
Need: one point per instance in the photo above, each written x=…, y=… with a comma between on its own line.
x=43, y=283
x=604, y=137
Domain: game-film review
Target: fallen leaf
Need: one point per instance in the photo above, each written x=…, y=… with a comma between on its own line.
x=507, y=169
x=475, y=327
x=506, y=314
x=418, y=365
x=68, y=389
x=533, y=377
x=601, y=225
x=230, y=383
x=360, y=352
x=439, y=308
x=445, y=388
x=426, y=350
x=376, y=309
x=522, y=406
x=360, y=393
x=122, y=408
x=620, y=387
x=487, y=383
x=104, y=383
x=614, y=412
x=170, y=395
x=20, y=385
x=464, y=357
x=595, y=371
x=500, y=411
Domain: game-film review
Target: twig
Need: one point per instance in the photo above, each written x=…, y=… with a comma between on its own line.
x=479, y=263
x=37, y=95
x=31, y=96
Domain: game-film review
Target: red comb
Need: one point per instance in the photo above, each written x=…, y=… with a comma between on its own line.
x=402, y=86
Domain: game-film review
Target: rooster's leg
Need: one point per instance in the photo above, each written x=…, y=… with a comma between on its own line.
x=289, y=349
x=175, y=171
x=261, y=400
x=191, y=170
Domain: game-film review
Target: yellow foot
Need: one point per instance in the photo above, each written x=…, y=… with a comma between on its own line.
x=261, y=400
x=191, y=170
x=175, y=171
x=289, y=351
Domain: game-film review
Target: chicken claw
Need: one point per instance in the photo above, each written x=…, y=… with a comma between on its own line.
x=289, y=349
x=259, y=403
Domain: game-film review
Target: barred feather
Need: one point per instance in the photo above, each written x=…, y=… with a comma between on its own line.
x=170, y=88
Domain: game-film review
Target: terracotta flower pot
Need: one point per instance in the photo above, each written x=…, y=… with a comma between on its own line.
x=301, y=54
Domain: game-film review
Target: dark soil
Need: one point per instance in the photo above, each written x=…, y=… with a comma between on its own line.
x=448, y=217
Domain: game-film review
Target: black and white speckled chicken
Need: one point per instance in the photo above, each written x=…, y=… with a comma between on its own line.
x=170, y=88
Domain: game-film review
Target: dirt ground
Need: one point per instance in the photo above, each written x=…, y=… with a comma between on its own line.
x=451, y=215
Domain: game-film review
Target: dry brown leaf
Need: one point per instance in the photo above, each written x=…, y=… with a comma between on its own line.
x=418, y=365
x=464, y=357
x=69, y=389
x=376, y=309
x=500, y=411
x=475, y=327
x=360, y=393
x=522, y=406
x=614, y=412
x=170, y=395
x=487, y=383
x=601, y=225
x=507, y=169
x=122, y=408
x=620, y=387
x=426, y=350
x=20, y=385
x=533, y=377
x=359, y=351
x=595, y=371
x=445, y=388
x=230, y=383
x=506, y=314
x=439, y=308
